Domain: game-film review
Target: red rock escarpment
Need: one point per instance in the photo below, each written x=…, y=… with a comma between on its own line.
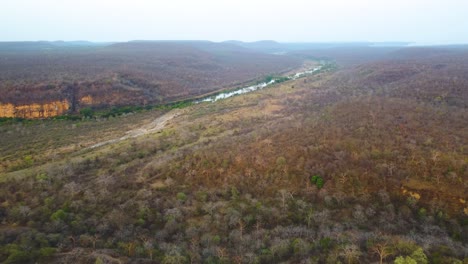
x=35, y=110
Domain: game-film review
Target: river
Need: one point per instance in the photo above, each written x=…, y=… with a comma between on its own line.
x=252, y=88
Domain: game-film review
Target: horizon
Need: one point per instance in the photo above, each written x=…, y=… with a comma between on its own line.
x=364, y=43
x=421, y=22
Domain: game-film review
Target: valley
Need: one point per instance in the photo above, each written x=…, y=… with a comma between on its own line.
x=348, y=161
x=127, y=74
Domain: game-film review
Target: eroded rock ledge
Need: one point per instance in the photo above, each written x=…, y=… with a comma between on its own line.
x=36, y=110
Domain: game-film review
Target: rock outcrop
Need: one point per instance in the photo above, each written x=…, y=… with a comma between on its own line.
x=87, y=100
x=36, y=110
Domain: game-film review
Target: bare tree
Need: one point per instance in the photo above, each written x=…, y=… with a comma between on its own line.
x=351, y=253
x=148, y=245
x=382, y=250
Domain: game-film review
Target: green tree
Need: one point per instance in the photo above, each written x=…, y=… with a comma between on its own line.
x=87, y=112
x=417, y=257
x=58, y=215
x=98, y=261
x=181, y=196
x=317, y=180
x=407, y=260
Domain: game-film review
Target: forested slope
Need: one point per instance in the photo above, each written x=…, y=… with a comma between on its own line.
x=364, y=164
x=133, y=73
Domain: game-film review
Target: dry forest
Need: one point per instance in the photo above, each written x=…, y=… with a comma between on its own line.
x=363, y=161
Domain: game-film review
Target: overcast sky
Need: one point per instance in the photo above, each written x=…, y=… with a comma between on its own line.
x=421, y=21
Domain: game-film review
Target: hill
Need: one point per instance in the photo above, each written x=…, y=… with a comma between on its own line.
x=134, y=73
x=270, y=46
x=38, y=46
x=430, y=75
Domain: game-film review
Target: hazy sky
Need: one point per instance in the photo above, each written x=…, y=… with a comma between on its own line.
x=421, y=21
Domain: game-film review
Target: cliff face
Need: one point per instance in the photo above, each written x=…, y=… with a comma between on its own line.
x=87, y=100
x=31, y=111
x=42, y=110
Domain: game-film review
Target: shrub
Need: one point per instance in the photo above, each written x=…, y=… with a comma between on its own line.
x=28, y=160
x=17, y=255
x=174, y=259
x=181, y=196
x=234, y=193
x=313, y=179
x=417, y=257
x=87, y=112
x=280, y=161
x=318, y=181
x=407, y=260
x=42, y=177
x=325, y=243
x=422, y=212
x=58, y=215
x=46, y=252
x=300, y=247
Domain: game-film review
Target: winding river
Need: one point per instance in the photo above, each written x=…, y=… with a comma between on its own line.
x=252, y=88
x=159, y=123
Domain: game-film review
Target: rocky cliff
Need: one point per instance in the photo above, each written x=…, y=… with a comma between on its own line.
x=35, y=110
x=87, y=100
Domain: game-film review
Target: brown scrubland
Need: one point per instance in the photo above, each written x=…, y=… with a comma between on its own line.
x=365, y=163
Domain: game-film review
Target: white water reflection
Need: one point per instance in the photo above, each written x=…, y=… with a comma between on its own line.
x=256, y=87
x=304, y=73
x=237, y=92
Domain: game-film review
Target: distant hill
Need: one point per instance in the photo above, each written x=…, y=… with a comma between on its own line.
x=16, y=46
x=270, y=46
x=131, y=73
x=266, y=46
x=434, y=75
x=26, y=46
